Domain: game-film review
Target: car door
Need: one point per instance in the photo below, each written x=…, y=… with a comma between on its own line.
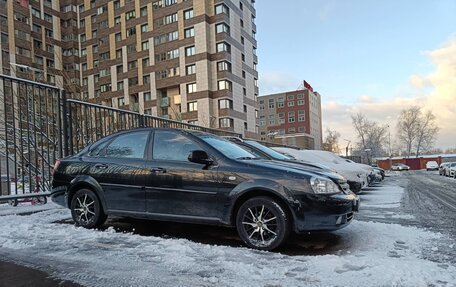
x=176, y=186
x=120, y=170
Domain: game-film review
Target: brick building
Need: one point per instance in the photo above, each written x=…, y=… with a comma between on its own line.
x=292, y=118
x=192, y=61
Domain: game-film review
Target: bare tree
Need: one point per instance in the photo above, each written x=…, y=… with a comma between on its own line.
x=408, y=127
x=427, y=131
x=371, y=135
x=416, y=130
x=332, y=141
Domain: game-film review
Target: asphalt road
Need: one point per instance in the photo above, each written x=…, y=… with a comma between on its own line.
x=431, y=198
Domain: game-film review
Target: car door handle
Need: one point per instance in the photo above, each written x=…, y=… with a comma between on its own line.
x=101, y=166
x=158, y=170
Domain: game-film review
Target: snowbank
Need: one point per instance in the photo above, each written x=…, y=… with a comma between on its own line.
x=379, y=255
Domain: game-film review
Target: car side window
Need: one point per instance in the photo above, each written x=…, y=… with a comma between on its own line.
x=130, y=145
x=169, y=145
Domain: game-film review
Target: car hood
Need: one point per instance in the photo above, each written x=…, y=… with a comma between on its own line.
x=296, y=168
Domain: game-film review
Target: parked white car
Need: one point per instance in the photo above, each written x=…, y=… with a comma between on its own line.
x=432, y=165
x=399, y=167
x=452, y=170
x=356, y=176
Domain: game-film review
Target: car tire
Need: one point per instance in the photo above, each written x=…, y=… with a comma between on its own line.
x=13, y=202
x=262, y=223
x=86, y=209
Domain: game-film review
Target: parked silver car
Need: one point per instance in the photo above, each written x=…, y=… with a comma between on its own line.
x=399, y=166
x=443, y=167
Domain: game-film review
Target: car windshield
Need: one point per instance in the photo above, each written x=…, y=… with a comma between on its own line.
x=272, y=153
x=227, y=148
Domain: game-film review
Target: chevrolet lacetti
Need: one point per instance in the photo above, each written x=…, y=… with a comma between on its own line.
x=190, y=176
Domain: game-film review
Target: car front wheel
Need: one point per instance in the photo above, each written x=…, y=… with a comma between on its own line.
x=262, y=223
x=86, y=209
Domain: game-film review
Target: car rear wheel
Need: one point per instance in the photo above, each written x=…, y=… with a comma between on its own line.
x=262, y=223
x=86, y=209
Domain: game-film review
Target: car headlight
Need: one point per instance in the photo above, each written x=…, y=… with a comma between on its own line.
x=321, y=185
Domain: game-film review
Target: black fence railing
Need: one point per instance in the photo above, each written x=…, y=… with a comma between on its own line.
x=30, y=135
x=89, y=122
x=39, y=125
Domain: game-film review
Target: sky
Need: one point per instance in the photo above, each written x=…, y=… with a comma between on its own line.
x=375, y=57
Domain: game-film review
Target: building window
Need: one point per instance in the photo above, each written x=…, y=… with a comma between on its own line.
x=262, y=121
x=148, y=112
x=300, y=102
x=223, y=66
x=145, y=45
x=105, y=88
x=226, y=123
x=145, y=62
x=290, y=98
x=244, y=91
x=120, y=85
x=133, y=81
x=271, y=103
x=192, y=106
x=223, y=47
x=119, y=69
x=190, y=51
x=116, y=4
x=191, y=88
x=280, y=103
x=291, y=117
x=225, y=104
x=242, y=40
x=131, y=31
x=130, y=15
x=243, y=57
x=301, y=116
x=119, y=54
x=132, y=64
x=222, y=28
x=190, y=69
x=118, y=37
x=144, y=28
x=190, y=32
x=224, y=85
x=117, y=20
x=291, y=103
x=188, y=14
x=147, y=96
x=143, y=11
x=291, y=130
x=245, y=108
x=271, y=119
x=120, y=101
x=222, y=9
x=146, y=79
x=281, y=117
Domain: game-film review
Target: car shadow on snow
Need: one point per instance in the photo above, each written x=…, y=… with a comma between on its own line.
x=314, y=243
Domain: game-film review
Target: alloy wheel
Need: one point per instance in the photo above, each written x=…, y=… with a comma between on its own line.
x=261, y=225
x=85, y=209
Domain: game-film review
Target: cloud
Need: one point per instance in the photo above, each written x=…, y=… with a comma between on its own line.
x=435, y=91
x=272, y=82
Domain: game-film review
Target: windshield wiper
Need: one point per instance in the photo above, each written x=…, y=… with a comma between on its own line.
x=247, y=158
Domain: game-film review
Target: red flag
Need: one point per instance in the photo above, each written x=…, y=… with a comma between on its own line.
x=307, y=86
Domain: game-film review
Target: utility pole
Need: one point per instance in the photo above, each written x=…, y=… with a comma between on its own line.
x=346, y=148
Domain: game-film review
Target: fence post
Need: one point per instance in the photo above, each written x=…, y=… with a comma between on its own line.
x=63, y=101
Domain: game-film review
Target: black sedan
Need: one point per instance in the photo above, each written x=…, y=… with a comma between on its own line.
x=190, y=176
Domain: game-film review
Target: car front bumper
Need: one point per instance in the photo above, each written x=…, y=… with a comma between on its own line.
x=324, y=212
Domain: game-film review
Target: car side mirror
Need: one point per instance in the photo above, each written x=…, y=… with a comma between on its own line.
x=200, y=156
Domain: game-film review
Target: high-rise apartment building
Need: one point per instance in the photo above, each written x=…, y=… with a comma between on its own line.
x=192, y=61
x=292, y=118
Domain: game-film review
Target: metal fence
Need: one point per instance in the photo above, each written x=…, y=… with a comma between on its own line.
x=30, y=135
x=39, y=125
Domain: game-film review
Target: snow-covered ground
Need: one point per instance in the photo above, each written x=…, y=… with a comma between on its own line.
x=379, y=254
